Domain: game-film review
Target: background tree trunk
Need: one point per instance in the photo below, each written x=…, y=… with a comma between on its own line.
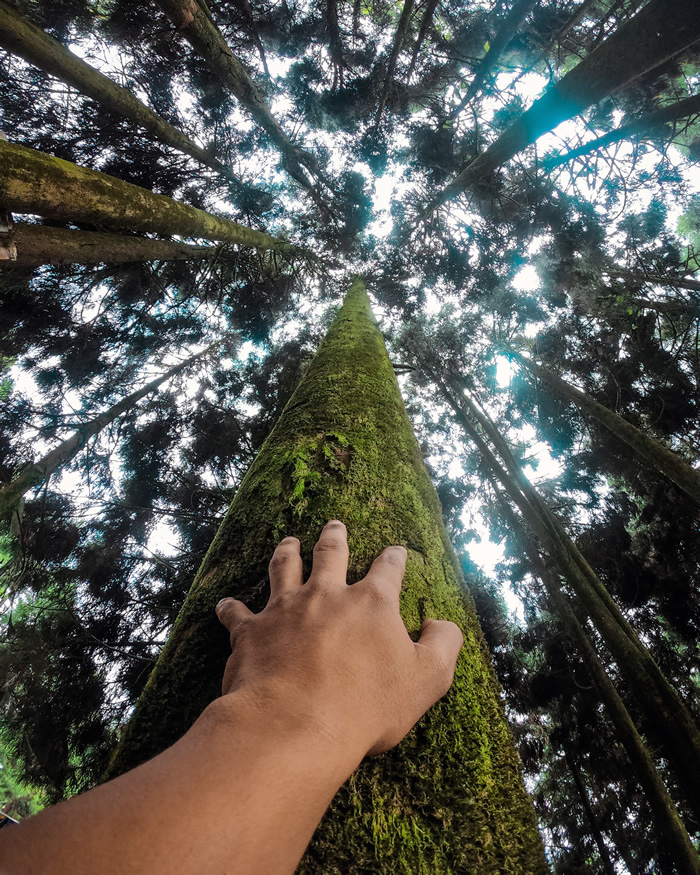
x=450, y=796
x=36, y=183
x=42, y=244
x=651, y=452
x=22, y=38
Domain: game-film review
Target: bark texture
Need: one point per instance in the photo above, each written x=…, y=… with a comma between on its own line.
x=651, y=453
x=22, y=38
x=36, y=183
x=450, y=797
x=663, y=29
x=399, y=37
x=41, y=470
x=41, y=244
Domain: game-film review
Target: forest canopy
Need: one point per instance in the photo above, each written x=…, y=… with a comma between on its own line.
x=187, y=191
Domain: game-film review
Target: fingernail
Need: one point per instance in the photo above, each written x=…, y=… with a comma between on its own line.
x=219, y=606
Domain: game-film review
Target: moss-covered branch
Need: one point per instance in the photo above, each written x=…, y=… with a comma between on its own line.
x=449, y=798
x=37, y=183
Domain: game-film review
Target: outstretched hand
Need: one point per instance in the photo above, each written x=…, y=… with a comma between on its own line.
x=337, y=655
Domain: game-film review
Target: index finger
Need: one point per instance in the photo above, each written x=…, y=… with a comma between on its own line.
x=330, y=565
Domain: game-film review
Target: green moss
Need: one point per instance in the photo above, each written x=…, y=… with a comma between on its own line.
x=449, y=798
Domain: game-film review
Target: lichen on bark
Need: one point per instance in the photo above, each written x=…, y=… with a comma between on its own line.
x=449, y=798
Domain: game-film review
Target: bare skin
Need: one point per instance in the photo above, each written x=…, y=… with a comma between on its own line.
x=325, y=675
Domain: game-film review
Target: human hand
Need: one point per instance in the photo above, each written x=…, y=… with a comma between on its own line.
x=340, y=655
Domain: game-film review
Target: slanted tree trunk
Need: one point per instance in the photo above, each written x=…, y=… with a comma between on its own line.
x=427, y=20
x=674, y=843
x=194, y=21
x=668, y=720
x=521, y=9
x=653, y=278
x=647, y=124
x=344, y=448
x=34, y=245
x=36, y=183
x=690, y=309
x=33, y=475
x=22, y=38
x=399, y=37
x=662, y=30
x=649, y=451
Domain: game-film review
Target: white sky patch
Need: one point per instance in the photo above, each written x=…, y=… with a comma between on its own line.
x=504, y=371
x=526, y=279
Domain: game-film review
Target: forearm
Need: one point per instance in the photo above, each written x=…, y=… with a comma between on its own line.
x=241, y=792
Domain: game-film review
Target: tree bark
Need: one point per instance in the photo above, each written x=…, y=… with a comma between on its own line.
x=674, y=842
x=40, y=244
x=651, y=452
x=247, y=10
x=667, y=718
x=335, y=44
x=22, y=38
x=680, y=308
x=662, y=30
x=344, y=448
x=39, y=471
x=399, y=37
x=194, y=21
x=36, y=183
x=646, y=124
x=427, y=20
x=521, y=9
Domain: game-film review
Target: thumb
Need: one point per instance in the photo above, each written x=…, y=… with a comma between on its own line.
x=438, y=649
x=230, y=612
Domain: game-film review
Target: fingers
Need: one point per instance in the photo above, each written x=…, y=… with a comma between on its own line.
x=230, y=612
x=285, y=569
x=438, y=649
x=388, y=569
x=330, y=565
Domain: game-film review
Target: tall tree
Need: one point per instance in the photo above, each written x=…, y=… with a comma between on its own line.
x=34, y=182
x=29, y=42
x=344, y=449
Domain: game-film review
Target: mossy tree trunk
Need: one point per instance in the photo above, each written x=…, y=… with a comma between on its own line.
x=675, y=847
x=36, y=183
x=23, y=38
x=33, y=475
x=450, y=797
x=668, y=720
x=654, y=279
x=650, y=452
x=663, y=29
x=34, y=245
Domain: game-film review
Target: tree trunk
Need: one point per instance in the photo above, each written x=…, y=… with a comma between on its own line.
x=194, y=21
x=668, y=720
x=655, y=279
x=41, y=244
x=674, y=842
x=335, y=44
x=662, y=30
x=690, y=309
x=422, y=33
x=399, y=37
x=450, y=796
x=651, y=452
x=34, y=182
x=39, y=471
x=603, y=853
x=247, y=10
x=22, y=38
x=646, y=124
x=521, y=9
